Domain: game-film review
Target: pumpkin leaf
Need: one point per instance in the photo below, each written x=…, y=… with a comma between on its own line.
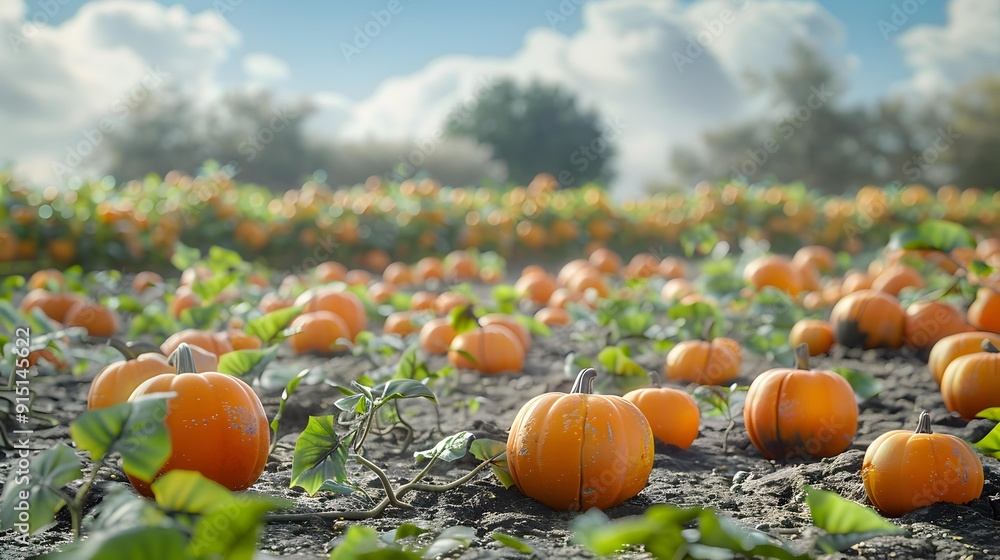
x=505, y=297
x=364, y=542
x=411, y=366
x=865, y=386
x=845, y=522
x=616, y=360
x=694, y=317
x=463, y=319
x=320, y=455
x=285, y=395
x=202, y=317
x=247, y=363
x=402, y=389
x=449, y=449
x=152, y=543
x=534, y=326
x=721, y=532
x=990, y=414
x=990, y=444
x=211, y=287
x=270, y=328
x=407, y=530
x=513, y=543
x=486, y=449
x=184, y=256
x=932, y=234
x=450, y=540
x=134, y=429
x=46, y=474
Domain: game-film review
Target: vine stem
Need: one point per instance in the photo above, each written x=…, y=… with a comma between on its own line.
x=389, y=492
x=75, y=504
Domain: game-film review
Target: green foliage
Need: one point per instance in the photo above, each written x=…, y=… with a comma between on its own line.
x=494, y=451
x=939, y=235
x=320, y=455
x=37, y=490
x=449, y=449
x=285, y=395
x=135, y=429
x=270, y=328
x=249, y=363
x=865, y=386
x=845, y=522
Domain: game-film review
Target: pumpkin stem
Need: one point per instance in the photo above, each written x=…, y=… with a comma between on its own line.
x=182, y=359
x=584, y=383
x=988, y=346
x=654, y=378
x=122, y=348
x=802, y=356
x=706, y=329
x=924, y=423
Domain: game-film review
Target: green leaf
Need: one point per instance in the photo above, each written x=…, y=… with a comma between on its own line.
x=202, y=317
x=990, y=414
x=247, y=363
x=463, y=319
x=148, y=543
x=449, y=540
x=534, y=326
x=46, y=474
x=513, y=543
x=864, y=385
x=846, y=522
x=224, y=259
x=981, y=269
x=448, y=449
x=285, y=394
x=616, y=360
x=270, y=327
x=407, y=530
x=403, y=389
x=363, y=543
x=940, y=235
x=135, y=429
x=723, y=533
x=990, y=444
x=411, y=366
x=505, y=297
x=189, y=492
x=184, y=257
x=486, y=449
x=658, y=530
x=320, y=455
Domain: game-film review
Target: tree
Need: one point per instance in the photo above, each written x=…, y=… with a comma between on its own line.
x=538, y=128
x=969, y=140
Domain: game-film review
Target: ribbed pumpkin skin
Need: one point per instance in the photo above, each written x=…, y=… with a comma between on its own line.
x=951, y=347
x=704, y=363
x=673, y=415
x=115, y=383
x=800, y=413
x=868, y=319
x=903, y=471
x=971, y=384
x=573, y=452
x=217, y=427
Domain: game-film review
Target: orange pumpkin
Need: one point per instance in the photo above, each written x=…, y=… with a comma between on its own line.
x=578, y=450
x=820, y=258
x=672, y=267
x=703, y=362
x=971, y=383
x=643, y=265
x=428, y=268
x=773, y=270
x=97, y=319
x=345, y=304
x=895, y=278
x=421, y=301
x=358, y=277
x=436, y=335
x=587, y=278
x=318, y=331
x=869, y=319
x=216, y=422
x=677, y=289
x=672, y=414
x=116, y=382
x=330, y=271
x=184, y=298
x=55, y=305
x=381, y=292
x=397, y=273
x=562, y=297
x=490, y=349
x=216, y=343
x=570, y=269
x=553, y=316
x=800, y=412
x=400, y=323
x=904, y=470
x=815, y=334
x=536, y=286
x=855, y=281
x=927, y=322
x=145, y=280
x=606, y=260
x=951, y=347
x=984, y=313
x=460, y=265
x=510, y=323
x=447, y=301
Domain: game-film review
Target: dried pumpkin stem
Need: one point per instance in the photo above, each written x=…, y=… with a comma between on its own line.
x=655, y=379
x=584, y=383
x=924, y=423
x=123, y=348
x=182, y=359
x=988, y=346
x=802, y=356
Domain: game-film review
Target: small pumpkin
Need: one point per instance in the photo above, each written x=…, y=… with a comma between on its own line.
x=400, y=323
x=606, y=260
x=490, y=349
x=318, y=331
x=330, y=271
x=869, y=319
x=447, y=301
x=97, y=319
x=397, y=273
x=436, y=335
x=704, y=362
x=344, y=304
x=216, y=422
x=896, y=277
x=820, y=258
x=927, y=322
x=55, y=305
x=815, y=334
x=903, y=470
x=214, y=342
x=642, y=265
x=578, y=450
x=535, y=286
x=428, y=268
x=184, y=298
x=951, y=347
x=553, y=316
x=116, y=382
x=971, y=383
x=800, y=412
x=984, y=313
x=511, y=324
x=145, y=280
x=673, y=415
x=775, y=271
x=672, y=267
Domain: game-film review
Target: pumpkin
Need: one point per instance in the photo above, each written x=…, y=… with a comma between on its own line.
x=318, y=331
x=895, y=278
x=927, y=322
x=116, y=382
x=55, y=305
x=428, y=268
x=971, y=383
x=97, y=319
x=216, y=343
x=984, y=313
x=643, y=265
x=47, y=279
x=775, y=271
x=703, y=362
x=447, y=301
x=459, y=265
x=570, y=269
x=436, y=335
x=537, y=287
x=855, y=281
x=587, y=278
x=397, y=273
x=951, y=347
x=144, y=280
x=800, y=412
x=240, y=340
x=216, y=422
x=673, y=415
x=563, y=297
x=553, y=316
x=330, y=271
x=820, y=258
x=358, y=277
x=273, y=301
x=421, y=301
x=490, y=349
x=815, y=334
x=677, y=289
x=869, y=319
x=345, y=304
x=184, y=298
x=904, y=470
x=606, y=260
x=510, y=323
x=578, y=450
x=381, y=292
x=400, y=323
x=672, y=267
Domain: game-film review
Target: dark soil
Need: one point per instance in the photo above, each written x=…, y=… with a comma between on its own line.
x=757, y=492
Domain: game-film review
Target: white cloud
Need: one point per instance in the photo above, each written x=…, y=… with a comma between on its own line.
x=965, y=48
x=97, y=64
x=265, y=68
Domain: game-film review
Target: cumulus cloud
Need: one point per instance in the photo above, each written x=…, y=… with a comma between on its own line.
x=265, y=68
x=98, y=64
x=965, y=48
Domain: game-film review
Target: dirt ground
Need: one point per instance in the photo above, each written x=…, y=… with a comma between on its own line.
x=757, y=492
